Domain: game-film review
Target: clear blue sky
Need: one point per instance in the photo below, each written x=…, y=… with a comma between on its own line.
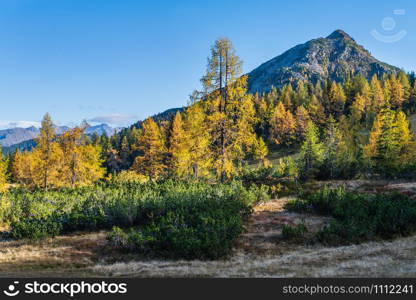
x=124, y=60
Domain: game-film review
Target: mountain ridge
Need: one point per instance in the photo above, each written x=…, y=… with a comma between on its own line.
x=23, y=138
x=333, y=58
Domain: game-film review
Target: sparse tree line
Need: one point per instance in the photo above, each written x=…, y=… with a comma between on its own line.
x=342, y=130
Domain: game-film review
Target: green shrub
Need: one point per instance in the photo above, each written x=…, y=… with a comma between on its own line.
x=359, y=216
x=280, y=179
x=295, y=232
x=180, y=233
x=171, y=218
x=35, y=229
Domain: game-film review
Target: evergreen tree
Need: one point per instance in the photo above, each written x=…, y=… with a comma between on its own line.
x=311, y=154
x=260, y=152
x=389, y=143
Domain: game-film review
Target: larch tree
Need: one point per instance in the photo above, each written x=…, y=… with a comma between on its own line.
x=199, y=139
x=390, y=141
x=282, y=126
x=151, y=144
x=47, y=155
x=3, y=172
x=260, y=152
x=358, y=109
x=231, y=111
x=337, y=99
x=317, y=111
x=179, y=148
x=288, y=96
x=23, y=168
x=302, y=119
x=377, y=95
x=81, y=162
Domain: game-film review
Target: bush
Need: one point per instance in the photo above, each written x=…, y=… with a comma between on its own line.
x=174, y=219
x=281, y=179
x=359, y=216
x=294, y=233
x=35, y=229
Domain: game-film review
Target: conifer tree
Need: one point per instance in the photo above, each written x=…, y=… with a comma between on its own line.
x=231, y=111
x=377, y=96
x=283, y=126
x=47, y=155
x=125, y=152
x=394, y=91
x=287, y=97
x=179, y=148
x=311, y=154
x=358, y=109
x=261, y=151
x=199, y=139
x=389, y=142
x=81, y=162
x=24, y=168
x=302, y=120
x=3, y=172
x=337, y=99
x=301, y=96
x=317, y=111
x=152, y=161
x=232, y=130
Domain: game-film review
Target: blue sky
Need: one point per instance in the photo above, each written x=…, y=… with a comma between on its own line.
x=120, y=61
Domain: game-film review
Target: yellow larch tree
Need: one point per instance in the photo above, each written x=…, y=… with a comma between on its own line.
x=81, y=163
x=179, y=148
x=199, y=139
x=151, y=144
x=47, y=156
x=282, y=126
x=3, y=172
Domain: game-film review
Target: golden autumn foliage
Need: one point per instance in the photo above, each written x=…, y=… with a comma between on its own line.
x=199, y=141
x=81, y=164
x=179, y=148
x=151, y=144
x=231, y=128
x=58, y=161
x=283, y=126
x=3, y=172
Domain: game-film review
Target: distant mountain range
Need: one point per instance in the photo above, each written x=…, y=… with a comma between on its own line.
x=333, y=57
x=23, y=138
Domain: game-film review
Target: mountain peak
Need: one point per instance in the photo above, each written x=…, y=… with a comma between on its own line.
x=339, y=34
x=333, y=58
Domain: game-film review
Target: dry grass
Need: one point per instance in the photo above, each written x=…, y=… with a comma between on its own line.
x=375, y=259
x=68, y=254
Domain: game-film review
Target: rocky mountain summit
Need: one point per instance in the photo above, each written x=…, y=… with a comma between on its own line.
x=333, y=57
